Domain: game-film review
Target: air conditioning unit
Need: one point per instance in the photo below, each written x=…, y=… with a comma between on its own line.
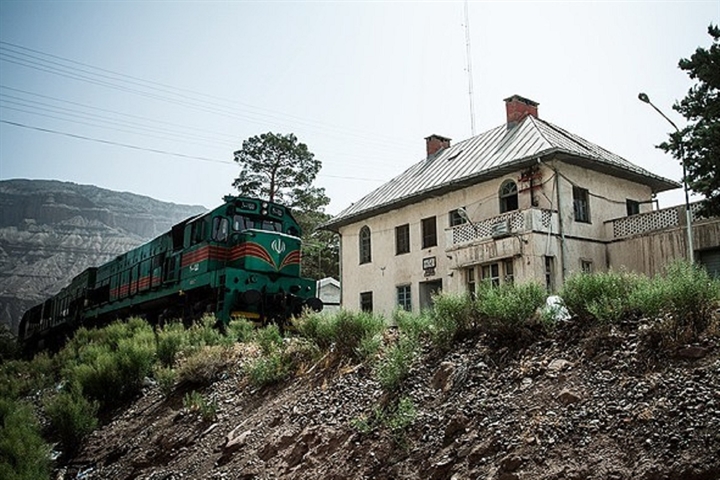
x=500, y=229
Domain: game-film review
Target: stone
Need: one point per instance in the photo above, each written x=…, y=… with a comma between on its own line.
x=693, y=352
x=566, y=397
x=443, y=378
x=558, y=365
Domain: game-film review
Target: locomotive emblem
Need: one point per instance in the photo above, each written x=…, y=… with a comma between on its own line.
x=278, y=246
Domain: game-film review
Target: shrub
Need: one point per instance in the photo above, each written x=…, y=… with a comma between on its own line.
x=112, y=368
x=452, y=316
x=194, y=402
x=171, y=339
x=268, y=338
x=202, y=366
x=240, y=330
x=166, y=378
x=203, y=333
x=394, y=367
x=413, y=325
x=507, y=310
x=691, y=297
x=354, y=327
x=317, y=327
x=604, y=296
x=270, y=369
x=23, y=453
x=72, y=416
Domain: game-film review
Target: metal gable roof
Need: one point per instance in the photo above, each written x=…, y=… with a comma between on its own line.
x=491, y=154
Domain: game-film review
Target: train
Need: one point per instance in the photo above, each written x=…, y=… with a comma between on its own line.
x=240, y=260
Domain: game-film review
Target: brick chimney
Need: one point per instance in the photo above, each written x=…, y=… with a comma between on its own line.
x=435, y=143
x=518, y=108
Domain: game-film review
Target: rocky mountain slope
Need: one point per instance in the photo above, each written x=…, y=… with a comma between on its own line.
x=50, y=231
x=578, y=405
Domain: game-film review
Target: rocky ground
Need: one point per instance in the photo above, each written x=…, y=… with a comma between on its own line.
x=580, y=405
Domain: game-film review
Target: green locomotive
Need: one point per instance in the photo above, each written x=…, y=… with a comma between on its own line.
x=241, y=259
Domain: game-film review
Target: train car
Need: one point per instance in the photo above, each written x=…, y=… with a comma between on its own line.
x=241, y=259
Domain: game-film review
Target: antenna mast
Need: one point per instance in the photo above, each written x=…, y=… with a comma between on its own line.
x=469, y=68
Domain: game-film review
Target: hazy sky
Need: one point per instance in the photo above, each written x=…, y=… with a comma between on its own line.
x=154, y=97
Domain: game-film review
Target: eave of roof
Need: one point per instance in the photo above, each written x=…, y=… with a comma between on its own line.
x=492, y=154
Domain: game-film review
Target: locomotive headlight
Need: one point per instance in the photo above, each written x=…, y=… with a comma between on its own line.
x=264, y=204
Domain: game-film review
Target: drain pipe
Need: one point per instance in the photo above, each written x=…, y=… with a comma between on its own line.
x=563, y=270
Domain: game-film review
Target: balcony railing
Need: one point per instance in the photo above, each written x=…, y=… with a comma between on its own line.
x=509, y=223
x=672, y=217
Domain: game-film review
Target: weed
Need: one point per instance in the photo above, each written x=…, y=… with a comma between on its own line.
x=71, y=415
x=240, y=330
x=604, y=297
x=394, y=367
x=452, y=316
x=23, y=453
x=270, y=369
x=352, y=328
x=317, y=327
x=194, y=402
x=269, y=339
x=166, y=378
x=202, y=366
x=171, y=339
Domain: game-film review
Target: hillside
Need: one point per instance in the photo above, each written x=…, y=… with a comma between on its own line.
x=50, y=231
x=582, y=403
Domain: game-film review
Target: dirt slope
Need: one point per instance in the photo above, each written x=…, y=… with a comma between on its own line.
x=578, y=406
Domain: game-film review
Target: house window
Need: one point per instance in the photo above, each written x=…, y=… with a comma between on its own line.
x=402, y=239
x=454, y=218
x=549, y=273
x=586, y=266
x=365, y=256
x=366, y=301
x=403, y=297
x=470, y=282
x=508, y=196
x=491, y=273
x=633, y=207
x=581, y=204
x=429, y=232
x=509, y=272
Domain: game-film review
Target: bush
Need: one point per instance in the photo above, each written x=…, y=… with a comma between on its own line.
x=112, y=367
x=269, y=338
x=452, y=316
x=240, y=330
x=203, y=334
x=691, y=297
x=194, y=402
x=507, y=310
x=23, y=453
x=412, y=325
x=603, y=297
x=171, y=339
x=394, y=367
x=166, y=378
x=270, y=369
x=72, y=416
x=352, y=333
x=202, y=366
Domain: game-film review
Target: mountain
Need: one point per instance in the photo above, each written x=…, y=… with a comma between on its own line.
x=50, y=231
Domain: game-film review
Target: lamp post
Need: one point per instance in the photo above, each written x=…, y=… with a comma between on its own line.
x=688, y=215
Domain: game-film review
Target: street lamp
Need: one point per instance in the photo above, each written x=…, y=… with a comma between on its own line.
x=688, y=215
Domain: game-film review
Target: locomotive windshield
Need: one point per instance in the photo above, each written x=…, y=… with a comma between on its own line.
x=241, y=222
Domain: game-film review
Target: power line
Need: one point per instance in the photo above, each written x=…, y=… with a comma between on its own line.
x=158, y=151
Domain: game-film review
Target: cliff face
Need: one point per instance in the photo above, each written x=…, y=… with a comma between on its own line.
x=50, y=231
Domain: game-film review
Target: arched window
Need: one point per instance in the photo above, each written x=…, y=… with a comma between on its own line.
x=508, y=196
x=365, y=256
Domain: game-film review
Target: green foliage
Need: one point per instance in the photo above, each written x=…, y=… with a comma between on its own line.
x=413, y=325
x=240, y=330
x=353, y=333
x=269, y=339
x=171, y=339
x=269, y=369
x=8, y=344
x=110, y=364
x=72, y=416
x=690, y=297
x=166, y=378
x=452, y=316
x=507, y=310
x=396, y=417
x=203, y=333
x=202, y=366
x=394, y=367
x=19, y=378
x=23, y=453
x=603, y=296
x=697, y=144
x=194, y=402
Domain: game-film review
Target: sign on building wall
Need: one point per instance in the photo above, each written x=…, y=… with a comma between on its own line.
x=428, y=265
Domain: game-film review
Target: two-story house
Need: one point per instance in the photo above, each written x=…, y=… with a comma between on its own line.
x=524, y=201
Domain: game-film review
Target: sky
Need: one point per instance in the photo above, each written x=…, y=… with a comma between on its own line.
x=153, y=97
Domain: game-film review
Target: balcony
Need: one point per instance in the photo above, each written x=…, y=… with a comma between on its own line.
x=667, y=218
x=507, y=224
